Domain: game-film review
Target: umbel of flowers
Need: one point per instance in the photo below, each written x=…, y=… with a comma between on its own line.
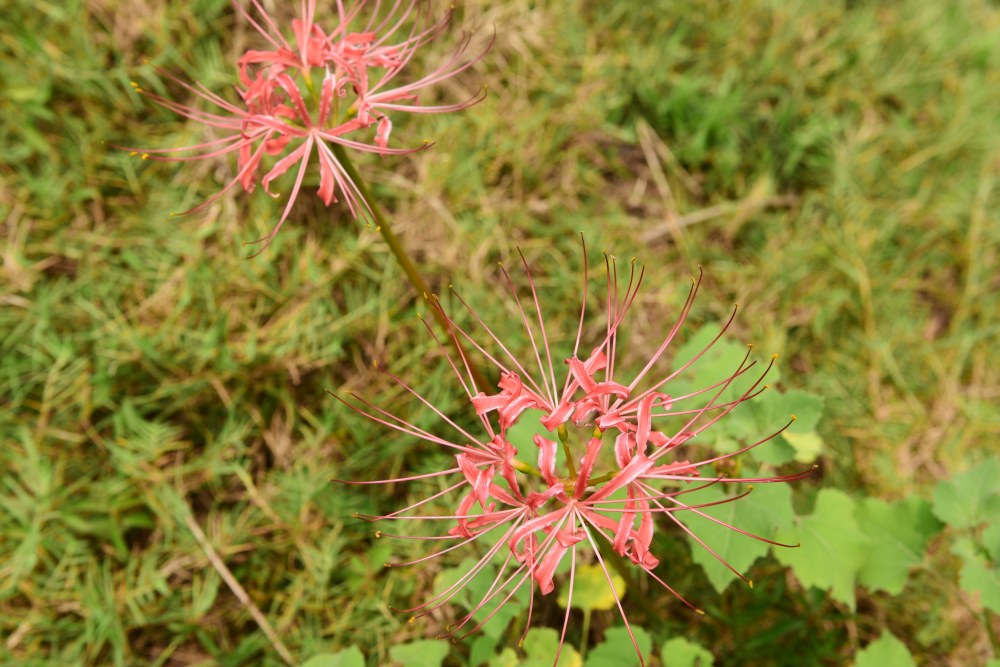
x=622, y=465
x=328, y=89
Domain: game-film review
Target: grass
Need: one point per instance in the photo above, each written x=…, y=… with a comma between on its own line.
x=833, y=167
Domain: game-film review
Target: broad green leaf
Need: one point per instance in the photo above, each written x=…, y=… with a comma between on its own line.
x=970, y=498
x=807, y=446
x=349, y=657
x=991, y=541
x=422, y=653
x=507, y=658
x=591, y=590
x=718, y=363
x=978, y=575
x=541, y=644
x=765, y=511
x=617, y=649
x=886, y=651
x=899, y=533
x=774, y=452
x=799, y=441
x=769, y=413
x=680, y=652
x=450, y=576
x=806, y=407
x=473, y=591
x=476, y=591
x=832, y=547
x=482, y=650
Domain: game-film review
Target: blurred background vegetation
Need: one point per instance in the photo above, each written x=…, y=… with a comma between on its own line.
x=832, y=166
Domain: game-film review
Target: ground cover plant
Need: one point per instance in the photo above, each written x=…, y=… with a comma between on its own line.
x=831, y=168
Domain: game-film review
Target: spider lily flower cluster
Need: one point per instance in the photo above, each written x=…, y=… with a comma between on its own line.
x=626, y=446
x=318, y=94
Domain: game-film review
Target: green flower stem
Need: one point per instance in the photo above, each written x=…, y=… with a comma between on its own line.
x=409, y=268
x=527, y=468
x=564, y=439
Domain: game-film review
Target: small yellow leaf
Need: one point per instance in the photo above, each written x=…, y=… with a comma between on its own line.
x=591, y=590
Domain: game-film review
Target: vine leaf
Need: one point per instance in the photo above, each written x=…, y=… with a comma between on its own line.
x=970, y=498
x=807, y=446
x=886, y=651
x=617, y=649
x=832, y=546
x=899, y=533
x=349, y=657
x=590, y=589
x=978, y=575
x=765, y=512
x=541, y=644
x=422, y=653
x=473, y=592
x=679, y=652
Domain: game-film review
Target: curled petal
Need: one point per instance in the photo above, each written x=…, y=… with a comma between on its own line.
x=300, y=154
x=547, y=566
x=587, y=464
x=382, y=134
x=546, y=458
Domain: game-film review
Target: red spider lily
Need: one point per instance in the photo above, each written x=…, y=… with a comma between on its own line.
x=623, y=464
x=318, y=95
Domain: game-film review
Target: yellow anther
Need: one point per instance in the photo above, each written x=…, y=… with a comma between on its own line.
x=134, y=84
x=750, y=345
x=145, y=156
x=794, y=417
x=700, y=611
x=774, y=356
x=378, y=534
x=750, y=581
x=598, y=432
x=133, y=153
x=413, y=619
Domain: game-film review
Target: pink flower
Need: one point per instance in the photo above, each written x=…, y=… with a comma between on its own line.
x=318, y=94
x=623, y=466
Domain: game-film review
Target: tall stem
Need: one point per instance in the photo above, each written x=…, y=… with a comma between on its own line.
x=409, y=268
x=567, y=452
